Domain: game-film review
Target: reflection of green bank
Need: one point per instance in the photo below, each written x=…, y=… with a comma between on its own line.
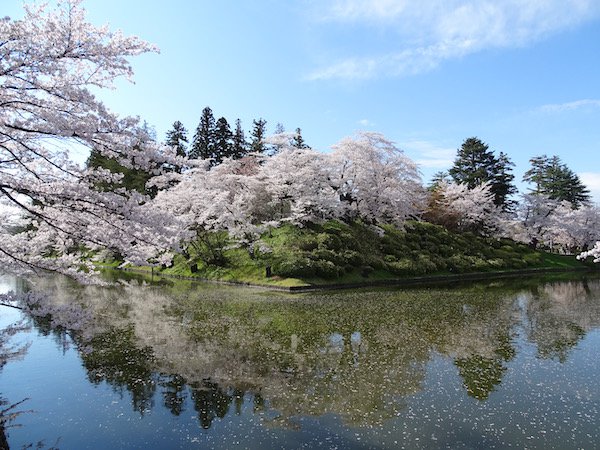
x=338, y=255
x=551, y=272
x=357, y=354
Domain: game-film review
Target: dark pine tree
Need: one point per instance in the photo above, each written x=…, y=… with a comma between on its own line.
x=204, y=139
x=437, y=178
x=239, y=145
x=223, y=147
x=298, y=140
x=502, y=182
x=133, y=179
x=476, y=164
x=257, y=144
x=177, y=138
x=537, y=173
x=557, y=181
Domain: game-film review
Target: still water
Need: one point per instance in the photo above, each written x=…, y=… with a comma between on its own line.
x=487, y=365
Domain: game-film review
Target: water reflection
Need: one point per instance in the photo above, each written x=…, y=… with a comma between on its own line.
x=359, y=355
x=559, y=314
x=10, y=351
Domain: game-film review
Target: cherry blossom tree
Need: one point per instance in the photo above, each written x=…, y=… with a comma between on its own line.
x=554, y=224
x=594, y=252
x=238, y=200
x=228, y=198
x=534, y=220
x=297, y=181
x=458, y=207
x=50, y=62
x=375, y=180
x=575, y=229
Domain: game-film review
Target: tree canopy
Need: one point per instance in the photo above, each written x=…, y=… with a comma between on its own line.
x=476, y=164
x=552, y=178
x=49, y=62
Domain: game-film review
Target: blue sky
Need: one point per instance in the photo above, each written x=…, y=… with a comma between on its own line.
x=522, y=75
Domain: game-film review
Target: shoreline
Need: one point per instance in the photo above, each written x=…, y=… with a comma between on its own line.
x=393, y=282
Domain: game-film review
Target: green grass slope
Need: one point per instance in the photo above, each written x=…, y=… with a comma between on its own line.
x=341, y=253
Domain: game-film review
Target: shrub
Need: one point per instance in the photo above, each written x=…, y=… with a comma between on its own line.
x=401, y=267
x=458, y=264
x=328, y=255
x=353, y=258
x=424, y=265
x=308, y=244
x=517, y=263
x=532, y=259
x=390, y=258
x=326, y=269
x=295, y=266
x=329, y=242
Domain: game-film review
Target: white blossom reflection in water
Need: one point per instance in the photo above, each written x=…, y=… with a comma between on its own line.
x=177, y=366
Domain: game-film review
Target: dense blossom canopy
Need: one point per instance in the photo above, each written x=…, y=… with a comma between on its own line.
x=49, y=63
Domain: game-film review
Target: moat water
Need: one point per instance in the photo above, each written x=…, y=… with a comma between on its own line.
x=183, y=365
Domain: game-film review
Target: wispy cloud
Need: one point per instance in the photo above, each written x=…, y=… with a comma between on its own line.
x=431, y=31
x=570, y=106
x=365, y=123
x=429, y=155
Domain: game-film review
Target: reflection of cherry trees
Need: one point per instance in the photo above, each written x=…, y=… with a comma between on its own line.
x=560, y=314
x=359, y=355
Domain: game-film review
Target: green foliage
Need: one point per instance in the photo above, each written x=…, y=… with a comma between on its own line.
x=348, y=253
x=203, y=145
x=258, y=135
x=132, y=180
x=177, y=138
x=476, y=164
x=344, y=251
x=551, y=177
x=223, y=146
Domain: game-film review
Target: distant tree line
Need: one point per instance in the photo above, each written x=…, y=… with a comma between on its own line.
x=215, y=141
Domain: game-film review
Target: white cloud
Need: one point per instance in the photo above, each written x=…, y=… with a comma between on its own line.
x=592, y=181
x=570, y=106
x=429, y=155
x=429, y=32
x=365, y=123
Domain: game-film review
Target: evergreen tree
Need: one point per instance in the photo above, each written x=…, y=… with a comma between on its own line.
x=223, y=141
x=502, y=182
x=239, y=144
x=554, y=179
x=133, y=179
x=257, y=144
x=177, y=138
x=298, y=140
x=476, y=164
x=437, y=178
x=537, y=173
x=204, y=139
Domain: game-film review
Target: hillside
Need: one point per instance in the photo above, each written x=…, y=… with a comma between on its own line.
x=336, y=252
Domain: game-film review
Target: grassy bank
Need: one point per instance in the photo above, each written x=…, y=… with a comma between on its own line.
x=338, y=253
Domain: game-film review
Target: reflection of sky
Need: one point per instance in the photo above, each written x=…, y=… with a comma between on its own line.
x=7, y=283
x=336, y=342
